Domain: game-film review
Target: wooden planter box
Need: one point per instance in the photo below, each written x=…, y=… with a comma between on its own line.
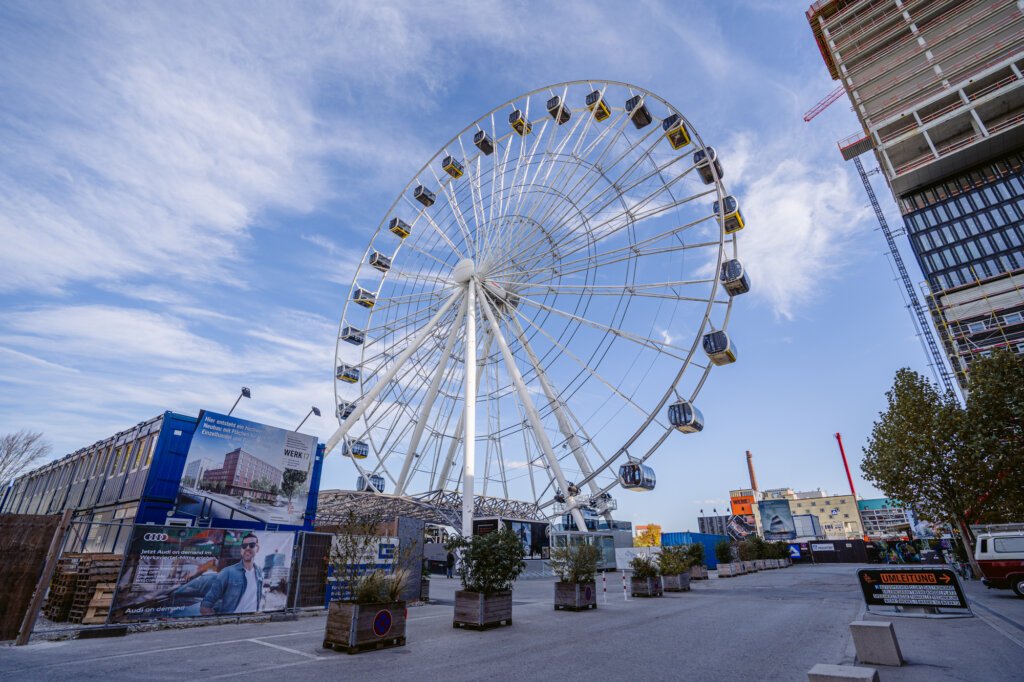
x=739, y=567
x=749, y=567
x=477, y=611
x=698, y=573
x=646, y=587
x=789, y=562
x=353, y=628
x=677, y=583
x=726, y=570
x=760, y=564
x=575, y=596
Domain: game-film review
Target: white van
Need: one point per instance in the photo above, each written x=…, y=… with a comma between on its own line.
x=1001, y=558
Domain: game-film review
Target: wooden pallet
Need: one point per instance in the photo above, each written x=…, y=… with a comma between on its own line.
x=368, y=646
x=569, y=607
x=482, y=626
x=99, y=605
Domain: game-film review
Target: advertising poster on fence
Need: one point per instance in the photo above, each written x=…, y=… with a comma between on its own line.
x=173, y=572
x=777, y=520
x=238, y=469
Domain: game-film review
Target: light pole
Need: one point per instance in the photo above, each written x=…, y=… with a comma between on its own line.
x=313, y=410
x=246, y=393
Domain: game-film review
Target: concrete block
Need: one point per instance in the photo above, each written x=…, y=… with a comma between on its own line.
x=825, y=672
x=876, y=642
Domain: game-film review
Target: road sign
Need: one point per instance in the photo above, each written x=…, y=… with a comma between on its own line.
x=794, y=552
x=907, y=586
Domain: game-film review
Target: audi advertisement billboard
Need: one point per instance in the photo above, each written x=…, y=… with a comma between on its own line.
x=172, y=572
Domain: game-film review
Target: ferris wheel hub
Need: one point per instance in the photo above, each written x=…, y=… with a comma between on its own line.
x=463, y=271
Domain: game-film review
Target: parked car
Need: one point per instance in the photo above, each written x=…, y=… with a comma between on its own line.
x=1001, y=558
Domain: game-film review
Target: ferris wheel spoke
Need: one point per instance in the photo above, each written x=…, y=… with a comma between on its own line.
x=448, y=190
x=531, y=411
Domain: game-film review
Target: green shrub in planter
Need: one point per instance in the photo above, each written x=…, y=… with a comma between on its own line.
x=646, y=580
x=489, y=565
x=674, y=564
x=723, y=552
x=575, y=567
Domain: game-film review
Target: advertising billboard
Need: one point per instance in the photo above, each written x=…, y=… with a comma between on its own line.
x=741, y=525
x=172, y=572
x=241, y=470
x=777, y=520
x=742, y=505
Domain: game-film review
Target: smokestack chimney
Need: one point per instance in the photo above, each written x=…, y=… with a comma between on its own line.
x=750, y=467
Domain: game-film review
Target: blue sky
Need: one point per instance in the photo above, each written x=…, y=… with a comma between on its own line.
x=188, y=189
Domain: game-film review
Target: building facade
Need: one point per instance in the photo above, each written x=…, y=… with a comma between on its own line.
x=837, y=515
x=884, y=518
x=243, y=474
x=713, y=525
x=938, y=89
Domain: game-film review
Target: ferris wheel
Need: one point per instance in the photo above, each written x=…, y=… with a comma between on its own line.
x=537, y=311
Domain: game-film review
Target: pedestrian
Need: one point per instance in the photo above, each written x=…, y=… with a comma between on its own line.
x=451, y=564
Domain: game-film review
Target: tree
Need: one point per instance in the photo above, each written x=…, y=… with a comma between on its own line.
x=650, y=536
x=723, y=552
x=18, y=452
x=293, y=478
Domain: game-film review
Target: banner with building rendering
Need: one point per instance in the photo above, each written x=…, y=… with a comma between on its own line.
x=776, y=520
x=172, y=572
x=241, y=470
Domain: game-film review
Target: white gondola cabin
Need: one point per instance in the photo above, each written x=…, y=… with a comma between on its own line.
x=424, y=196
x=639, y=114
x=356, y=449
x=399, y=228
x=595, y=102
x=347, y=373
x=376, y=483
x=734, y=278
x=379, y=261
x=352, y=335
x=701, y=159
x=719, y=348
x=484, y=142
x=453, y=167
x=519, y=123
x=733, y=217
x=558, y=110
x=675, y=131
x=364, y=297
x=685, y=417
x=637, y=477
x=345, y=408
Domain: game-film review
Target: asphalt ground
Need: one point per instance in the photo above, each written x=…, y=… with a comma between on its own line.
x=772, y=625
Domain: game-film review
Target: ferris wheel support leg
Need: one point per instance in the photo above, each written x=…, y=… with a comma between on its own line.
x=469, y=440
x=368, y=399
x=428, y=403
x=531, y=413
x=446, y=468
x=558, y=407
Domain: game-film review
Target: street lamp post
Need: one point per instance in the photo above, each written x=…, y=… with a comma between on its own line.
x=313, y=410
x=246, y=393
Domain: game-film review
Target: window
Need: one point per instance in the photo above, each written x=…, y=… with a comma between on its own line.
x=1011, y=544
x=984, y=545
x=986, y=353
x=1013, y=318
x=1020, y=348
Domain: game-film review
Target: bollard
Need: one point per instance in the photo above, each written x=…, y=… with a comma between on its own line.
x=876, y=642
x=604, y=586
x=625, y=591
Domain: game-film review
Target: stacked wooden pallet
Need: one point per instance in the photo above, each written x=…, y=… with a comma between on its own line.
x=62, y=588
x=93, y=570
x=77, y=582
x=99, y=605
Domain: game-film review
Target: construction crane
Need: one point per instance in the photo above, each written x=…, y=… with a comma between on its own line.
x=852, y=148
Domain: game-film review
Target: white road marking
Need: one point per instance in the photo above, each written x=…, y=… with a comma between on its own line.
x=284, y=648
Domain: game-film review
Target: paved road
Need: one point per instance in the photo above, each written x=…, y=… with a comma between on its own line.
x=773, y=625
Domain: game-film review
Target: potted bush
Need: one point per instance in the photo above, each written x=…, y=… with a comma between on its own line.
x=698, y=571
x=723, y=553
x=490, y=564
x=674, y=564
x=575, y=566
x=645, y=581
x=366, y=611
x=746, y=552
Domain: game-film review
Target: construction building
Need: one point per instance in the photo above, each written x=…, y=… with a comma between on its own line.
x=884, y=518
x=937, y=86
x=713, y=525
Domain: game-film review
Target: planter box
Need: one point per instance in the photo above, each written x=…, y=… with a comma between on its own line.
x=698, y=573
x=575, y=596
x=424, y=589
x=789, y=562
x=477, y=611
x=364, y=627
x=677, y=583
x=739, y=568
x=726, y=570
x=646, y=587
x=749, y=567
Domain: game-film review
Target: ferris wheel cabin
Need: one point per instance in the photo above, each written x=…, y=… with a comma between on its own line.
x=519, y=123
x=685, y=417
x=639, y=114
x=734, y=278
x=733, y=217
x=483, y=142
x=675, y=131
x=345, y=408
x=399, y=227
x=558, y=111
x=364, y=297
x=379, y=261
x=700, y=160
x=347, y=373
x=595, y=102
x=424, y=196
x=356, y=449
x=353, y=335
x=376, y=483
x=719, y=348
x=637, y=477
x=453, y=167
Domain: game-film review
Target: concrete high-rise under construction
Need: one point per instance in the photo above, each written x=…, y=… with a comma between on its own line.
x=939, y=91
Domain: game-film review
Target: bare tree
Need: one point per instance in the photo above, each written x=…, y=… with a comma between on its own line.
x=19, y=451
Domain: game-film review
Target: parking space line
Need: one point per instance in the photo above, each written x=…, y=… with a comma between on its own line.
x=284, y=648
